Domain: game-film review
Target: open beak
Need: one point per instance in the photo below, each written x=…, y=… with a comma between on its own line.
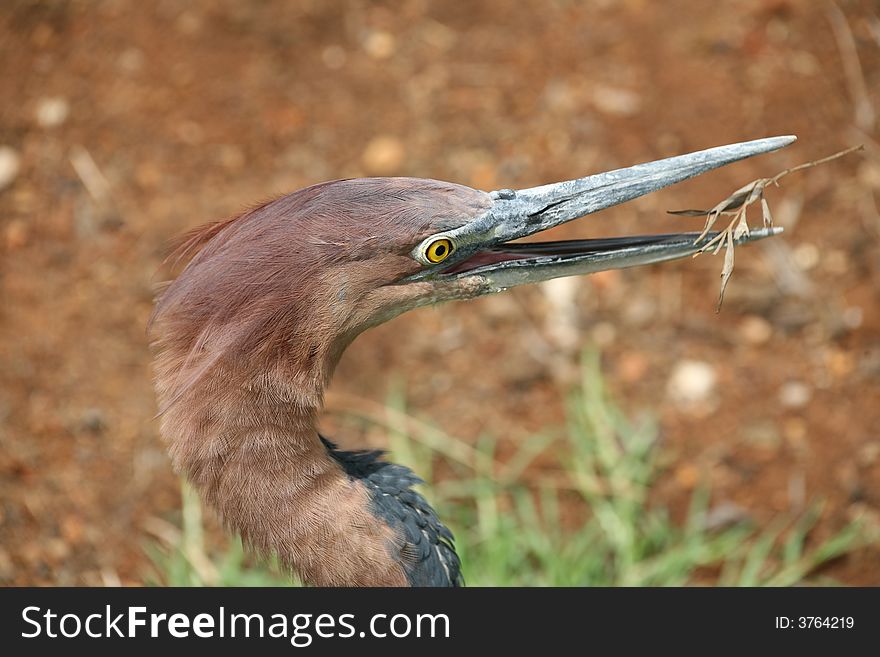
x=483, y=247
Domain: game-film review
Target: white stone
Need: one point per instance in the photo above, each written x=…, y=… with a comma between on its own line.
x=692, y=381
x=616, y=101
x=380, y=45
x=756, y=330
x=795, y=394
x=10, y=164
x=806, y=256
x=52, y=111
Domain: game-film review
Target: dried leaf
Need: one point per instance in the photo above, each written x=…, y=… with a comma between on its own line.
x=757, y=190
x=742, y=227
x=765, y=208
x=727, y=270
x=743, y=195
x=689, y=213
x=711, y=218
x=736, y=205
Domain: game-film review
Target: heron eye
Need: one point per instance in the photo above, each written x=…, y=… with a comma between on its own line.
x=439, y=250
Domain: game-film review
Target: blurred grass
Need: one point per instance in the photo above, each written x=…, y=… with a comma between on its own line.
x=510, y=524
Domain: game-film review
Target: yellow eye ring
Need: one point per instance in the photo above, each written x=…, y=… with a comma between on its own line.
x=439, y=250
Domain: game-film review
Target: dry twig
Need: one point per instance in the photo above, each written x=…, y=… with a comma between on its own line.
x=736, y=205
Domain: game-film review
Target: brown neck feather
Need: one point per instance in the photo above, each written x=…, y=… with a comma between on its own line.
x=252, y=450
x=247, y=337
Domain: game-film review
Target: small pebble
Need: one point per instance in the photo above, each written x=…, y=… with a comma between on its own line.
x=687, y=475
x=852, y=317
x=15, y=235
x=869, y=453
x=52, y=111
x=806, y=256
x=131, y=60
x=869, y=173
x=10, y=165
x=755, y=330
x=692, y=381
x=380, y=45
x=632, y=366
x=616, y=101
x=795, y=394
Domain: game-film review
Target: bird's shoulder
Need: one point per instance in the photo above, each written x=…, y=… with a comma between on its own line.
x=427, y=549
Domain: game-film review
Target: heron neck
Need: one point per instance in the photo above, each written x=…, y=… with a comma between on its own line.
x=255, y=455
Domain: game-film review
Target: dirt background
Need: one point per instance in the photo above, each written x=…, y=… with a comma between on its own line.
x=123, y=123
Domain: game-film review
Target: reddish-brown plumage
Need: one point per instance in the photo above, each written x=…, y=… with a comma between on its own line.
x=250, y=332
x=247, y=338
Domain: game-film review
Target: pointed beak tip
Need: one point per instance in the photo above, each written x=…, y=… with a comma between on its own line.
x=761, y=146
x=785, y=140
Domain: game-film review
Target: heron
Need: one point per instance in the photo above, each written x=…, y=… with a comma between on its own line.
x=248, y=334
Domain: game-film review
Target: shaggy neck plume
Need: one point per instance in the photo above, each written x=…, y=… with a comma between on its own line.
x=249, y=444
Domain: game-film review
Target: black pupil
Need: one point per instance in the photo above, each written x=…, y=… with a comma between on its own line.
x=440, y=250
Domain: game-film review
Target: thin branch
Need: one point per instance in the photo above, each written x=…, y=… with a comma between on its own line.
x=736, y=206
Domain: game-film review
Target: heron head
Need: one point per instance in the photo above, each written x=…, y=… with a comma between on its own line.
x=296, y=279
x=418, y=242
